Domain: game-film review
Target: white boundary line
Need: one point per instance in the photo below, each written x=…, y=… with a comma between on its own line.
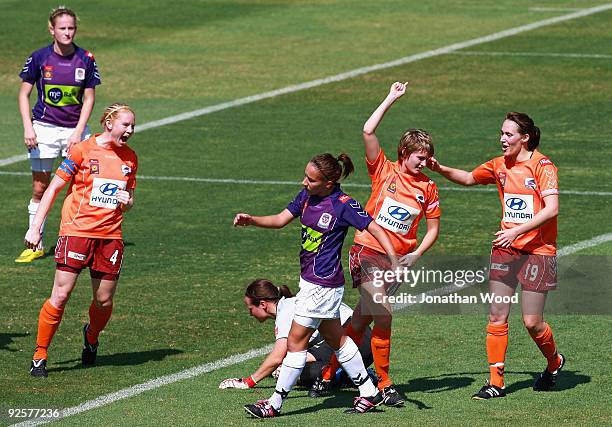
x=297, y=184
x=357, y=72
x=535, y=54
x=135, y=390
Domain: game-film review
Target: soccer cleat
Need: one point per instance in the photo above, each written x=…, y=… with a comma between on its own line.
x=391, y=397
x=489, y=391
x=29, y=255
x=320, y=388
x=547, y=380
x=88, y=356
x=262, y=409
x=39, y=368
x=362, y=404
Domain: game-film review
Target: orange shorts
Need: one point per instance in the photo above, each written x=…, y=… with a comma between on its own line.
x=102, y=256
x=537, y=273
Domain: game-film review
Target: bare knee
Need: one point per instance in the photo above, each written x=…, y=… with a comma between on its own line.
x=59, y=298
x=535, y=324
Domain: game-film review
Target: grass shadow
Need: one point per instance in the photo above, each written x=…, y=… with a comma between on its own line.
x=120, y=359
x=6, y=339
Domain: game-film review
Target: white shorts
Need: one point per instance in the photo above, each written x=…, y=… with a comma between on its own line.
x=317, y=303
x=52, y=140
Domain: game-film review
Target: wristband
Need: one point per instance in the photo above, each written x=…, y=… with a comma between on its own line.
x=249, y=381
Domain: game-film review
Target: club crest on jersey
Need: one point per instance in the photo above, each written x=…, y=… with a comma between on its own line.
x=94, y=166
x=325, y=220
x=420, y=198
x=501, y=177
x=344, y=198
x=530, y=183
x=79, y=73
x=47, y=72
x=392, y=188
x=126, y=170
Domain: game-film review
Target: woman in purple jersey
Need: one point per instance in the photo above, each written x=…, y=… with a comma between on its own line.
x=326, y=214
x=65, y=77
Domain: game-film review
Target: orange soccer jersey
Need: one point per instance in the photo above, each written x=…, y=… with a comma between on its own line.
x=397, y=203
x=96, y=174
x=522, y=187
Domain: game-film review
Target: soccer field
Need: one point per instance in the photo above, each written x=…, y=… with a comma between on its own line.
x=253, y=89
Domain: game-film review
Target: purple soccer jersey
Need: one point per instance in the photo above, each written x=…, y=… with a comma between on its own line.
x=325, y=222
x=60, y=82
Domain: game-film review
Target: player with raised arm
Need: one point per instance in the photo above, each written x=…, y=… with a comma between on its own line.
x=401, y=197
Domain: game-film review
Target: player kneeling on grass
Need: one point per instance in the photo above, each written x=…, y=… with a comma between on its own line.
x=266, y=301
x=101, y=172
x=524, y=250
x=326, y=214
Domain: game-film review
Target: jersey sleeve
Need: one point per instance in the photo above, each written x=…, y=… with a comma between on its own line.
x=432, y=201
x=131, y=184
x=71, y=164
x=92, y=75
x=485, y=173
x=30, y=73
x=547, y=178
x=353, y=214
x=296, y=206
x=378, y=166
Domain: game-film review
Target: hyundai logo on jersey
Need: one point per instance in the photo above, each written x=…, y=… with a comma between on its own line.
x=516, y=204
x=109, y=189
x=398, y=213
x=104, y=192
x=395, y=216
x=518, y=208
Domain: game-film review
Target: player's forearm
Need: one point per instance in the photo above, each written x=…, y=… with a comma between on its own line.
x=89, y=98
x=433, y=231
x=267, y=367
x=24, y=108
x=457, y=176
x=372, y=123
x=546, y=214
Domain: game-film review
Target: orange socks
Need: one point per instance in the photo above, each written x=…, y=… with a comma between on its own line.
x=381, y=349
x=98, y=318
x=547, y=346
x=330, y=369
x=48, y=322
x=497, y=344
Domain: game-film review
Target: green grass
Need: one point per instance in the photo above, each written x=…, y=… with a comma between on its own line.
x=179, y=304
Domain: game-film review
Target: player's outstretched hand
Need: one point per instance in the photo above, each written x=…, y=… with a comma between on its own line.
x=242, y=220
x=234, y=383
x=410, y=259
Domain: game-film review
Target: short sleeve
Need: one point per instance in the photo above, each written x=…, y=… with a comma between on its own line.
x=296, y=206
x=353, y=214
x=547, y=178
x=92, y=74
x=71, y=164
x=432, y=201
x=485, y=173
x=131, y=184
x=30, y=73
x=379, y=166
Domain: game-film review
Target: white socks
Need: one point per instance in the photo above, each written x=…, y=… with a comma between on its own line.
x=292, y=367
x=32, y=208
x=349, y=357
